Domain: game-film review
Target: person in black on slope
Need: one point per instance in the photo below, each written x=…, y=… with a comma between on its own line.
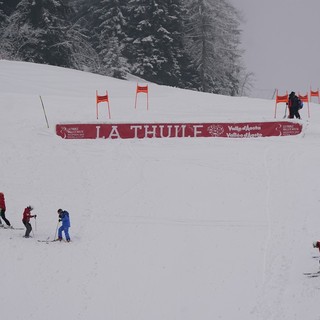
x=293, y=106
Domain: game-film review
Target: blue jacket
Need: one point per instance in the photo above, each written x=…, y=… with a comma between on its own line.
x=64, y=216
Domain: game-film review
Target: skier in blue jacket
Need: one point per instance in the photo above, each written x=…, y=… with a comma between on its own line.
x=64, y=218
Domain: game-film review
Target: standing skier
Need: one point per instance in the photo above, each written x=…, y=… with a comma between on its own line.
x=64, y=218
x=3, y=211
x=293, y=105
x=26, y=220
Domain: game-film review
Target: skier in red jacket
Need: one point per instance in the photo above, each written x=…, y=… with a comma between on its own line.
x=26, y=220
x=316, y=244
x=3, y=211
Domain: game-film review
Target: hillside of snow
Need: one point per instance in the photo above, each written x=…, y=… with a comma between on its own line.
x=174, y=229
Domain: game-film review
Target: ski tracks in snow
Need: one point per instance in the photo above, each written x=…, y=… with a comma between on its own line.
x=283, y=249
x=280, y=238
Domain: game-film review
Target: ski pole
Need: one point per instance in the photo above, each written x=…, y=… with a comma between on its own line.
x=32, y=229
x=55, y=235
x=285, y=112
x=35, y=223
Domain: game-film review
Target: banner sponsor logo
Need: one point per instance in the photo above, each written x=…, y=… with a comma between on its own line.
x=177, y=130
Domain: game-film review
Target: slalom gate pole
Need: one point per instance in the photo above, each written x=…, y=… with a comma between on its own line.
x=44, y=111
x=32, y=230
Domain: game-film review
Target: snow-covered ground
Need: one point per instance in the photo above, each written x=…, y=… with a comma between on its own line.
x=170, y=229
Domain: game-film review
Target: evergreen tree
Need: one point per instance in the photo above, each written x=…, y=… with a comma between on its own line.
x=40, y=31
x=176, y=17
x=185, y=43
x=37, y=31
x=168, y=30
x=8, y=6
x=113, y=61
x=106, y=21
x=213, y=39
x=230, y=66
x=110, y=15
x=3, y=21
x=155, y=44
x=3, y=16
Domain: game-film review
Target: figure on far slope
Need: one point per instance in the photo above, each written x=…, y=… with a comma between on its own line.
x=293, y=105
x=316, y=244
x=65, y=219
x=26, y=220
x=3, y=211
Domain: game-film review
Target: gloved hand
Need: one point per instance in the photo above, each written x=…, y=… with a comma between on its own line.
x=60, y=220
x=35, y=216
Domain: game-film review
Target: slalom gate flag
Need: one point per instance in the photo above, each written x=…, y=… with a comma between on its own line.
x=99, y=99
x=103, y=98
x=142, y=89
x=315, y=94
x=280, y=99
x=305, y=98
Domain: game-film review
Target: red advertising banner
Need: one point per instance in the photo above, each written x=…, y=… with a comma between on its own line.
x=177, y=130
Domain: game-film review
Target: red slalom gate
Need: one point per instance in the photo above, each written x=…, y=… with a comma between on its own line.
x=177, y=130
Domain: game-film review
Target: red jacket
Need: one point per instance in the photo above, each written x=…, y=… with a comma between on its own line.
x=27, y=215
x=2, y=202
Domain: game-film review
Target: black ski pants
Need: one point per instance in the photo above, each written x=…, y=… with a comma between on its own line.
x=294, y=112
x=28, y=228
x=3, y=216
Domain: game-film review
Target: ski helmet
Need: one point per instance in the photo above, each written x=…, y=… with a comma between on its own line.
x=30, y=207
x=315, y=244
x=59, y=210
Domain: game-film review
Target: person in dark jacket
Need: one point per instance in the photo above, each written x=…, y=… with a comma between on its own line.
x=293, y=106
x=3, y=211
x=65, y=219
x=26, y=220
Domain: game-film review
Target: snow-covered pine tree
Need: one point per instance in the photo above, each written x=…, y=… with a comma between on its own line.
x=108, y=23
x=40, y=31
x=3, y=21
x=8, y=6
x=154, y=46
x=167, y=48
x=37, y=32
x=140, y=41
x=169, y=30
x=230, y=66
x=188, y=76
x=3, y=16
x=213, y=37
x=113, y=62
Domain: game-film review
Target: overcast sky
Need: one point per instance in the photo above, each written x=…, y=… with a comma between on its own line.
x=282, y=43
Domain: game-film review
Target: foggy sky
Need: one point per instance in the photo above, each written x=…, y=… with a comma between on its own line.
x=281, y=39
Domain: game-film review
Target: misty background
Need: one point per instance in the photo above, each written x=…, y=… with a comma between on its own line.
x=281, y=42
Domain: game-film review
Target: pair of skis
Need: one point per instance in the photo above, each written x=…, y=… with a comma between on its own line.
x=312, y=274
x=11, y=228
x=54, y=240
